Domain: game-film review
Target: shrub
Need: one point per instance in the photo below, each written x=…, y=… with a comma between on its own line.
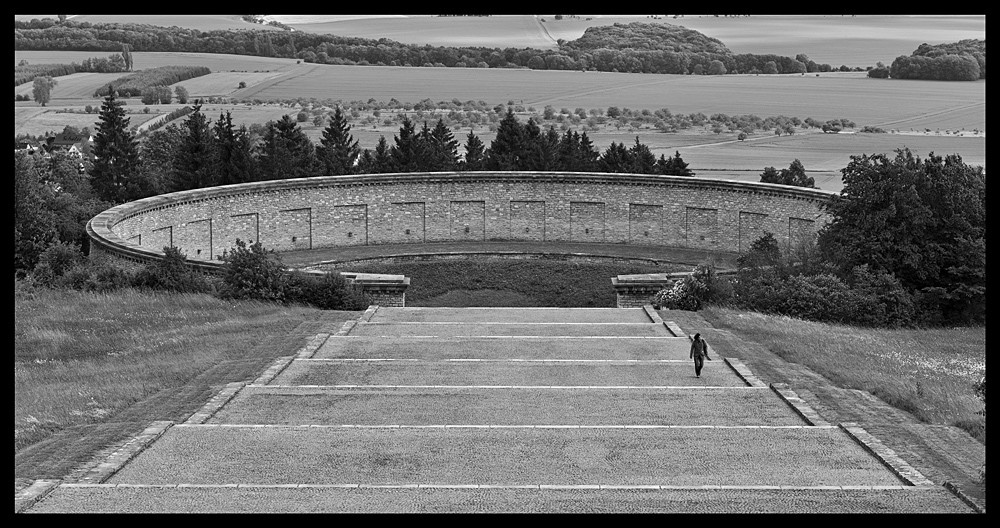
x=95, y=277
x=694, y=290
x=251, y=272
x=331, y=291
x=171, y=274
x=55, y=261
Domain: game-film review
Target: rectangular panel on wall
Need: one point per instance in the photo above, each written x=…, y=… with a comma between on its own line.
x=752, y=227
x=586, y=221
x=194, y=239
x=408, y=222
x=644, y=223
x=800, y=231
x=161, y=238
x=527, y=220
x=245, y=227
x=294, y=230
x=701, y=226
x=350, y=225
x=468, y=220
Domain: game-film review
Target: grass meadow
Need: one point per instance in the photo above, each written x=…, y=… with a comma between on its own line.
x=929, y=373
x=81, y=357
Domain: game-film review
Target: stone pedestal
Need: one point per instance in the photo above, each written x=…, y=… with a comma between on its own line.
x=638, y=290
x=383, y=290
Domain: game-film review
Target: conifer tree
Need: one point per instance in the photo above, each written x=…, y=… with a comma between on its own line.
x=406, y=156
x=443, y=148
x=641, y=159
x=232, y=153
x=287, y=152
x=615, y=158
x=338, y=149
x=674, y=166
x=116, y=152
x=505, y=150
x=193, y=162
x=474, y=154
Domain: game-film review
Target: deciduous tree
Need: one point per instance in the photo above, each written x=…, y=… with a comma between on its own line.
x=41, y=89
x=923, y=221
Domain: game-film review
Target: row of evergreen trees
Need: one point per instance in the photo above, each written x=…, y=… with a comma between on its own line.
x=199, y=154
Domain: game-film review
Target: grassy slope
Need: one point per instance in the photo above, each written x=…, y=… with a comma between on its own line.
x=929, y=373
x=82, y=359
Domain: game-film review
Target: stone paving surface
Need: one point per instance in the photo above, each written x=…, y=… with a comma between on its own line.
x=469, y=347
x=422, y=406
x=498, y=372
x=490, y=500
x=437, y=435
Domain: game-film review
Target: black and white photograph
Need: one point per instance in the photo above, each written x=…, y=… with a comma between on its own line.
x=499, y=264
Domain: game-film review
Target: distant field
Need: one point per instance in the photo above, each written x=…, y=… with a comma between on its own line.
x=75, y=86
x=866, y=101
x=216, y=62
x=36, y=120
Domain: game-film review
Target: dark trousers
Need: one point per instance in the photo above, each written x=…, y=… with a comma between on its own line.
x=699, y=362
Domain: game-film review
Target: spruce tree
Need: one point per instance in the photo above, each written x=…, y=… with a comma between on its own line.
x=588, y=154
x=382, y=161
x=641, y=159
x=405, y=153
x=193, y=162
x=338, y=149
x=506, y=148
x=232, y=156
x=443, y=148
x=615, y=159
x=116, y=152
x=287, y=152
x=474, y=154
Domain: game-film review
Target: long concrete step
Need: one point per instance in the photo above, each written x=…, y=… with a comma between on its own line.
x=798, y=456
x=504, y=372
x=326, y=499
x=440, y=406
x=458, y=347
x=447, y=329
x=511, y=315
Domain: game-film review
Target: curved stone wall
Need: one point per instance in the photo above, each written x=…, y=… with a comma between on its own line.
x=330, y=211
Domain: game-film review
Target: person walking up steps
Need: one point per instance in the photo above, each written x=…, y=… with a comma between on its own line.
x=699, y=352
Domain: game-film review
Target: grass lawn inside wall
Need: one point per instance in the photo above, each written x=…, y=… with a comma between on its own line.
x=517, y=283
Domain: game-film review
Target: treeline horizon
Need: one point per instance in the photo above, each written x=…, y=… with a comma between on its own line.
x=662, y=48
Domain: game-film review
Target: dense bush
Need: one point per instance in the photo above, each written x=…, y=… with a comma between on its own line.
x=251, y=272
x=55, y=261
x=690, y=293
x=171, y=274
x=330, y=291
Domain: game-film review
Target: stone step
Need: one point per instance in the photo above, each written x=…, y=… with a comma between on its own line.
x=504, y=372
x=798, y=456
x=511, y=315
x=327, y=499
x=447, y=329
x=425, y=406
x=458, y=347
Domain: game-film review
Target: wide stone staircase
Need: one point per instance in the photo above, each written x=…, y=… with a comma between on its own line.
x=502, y=410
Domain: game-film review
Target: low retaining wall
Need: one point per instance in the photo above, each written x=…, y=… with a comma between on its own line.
x=340, y=211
